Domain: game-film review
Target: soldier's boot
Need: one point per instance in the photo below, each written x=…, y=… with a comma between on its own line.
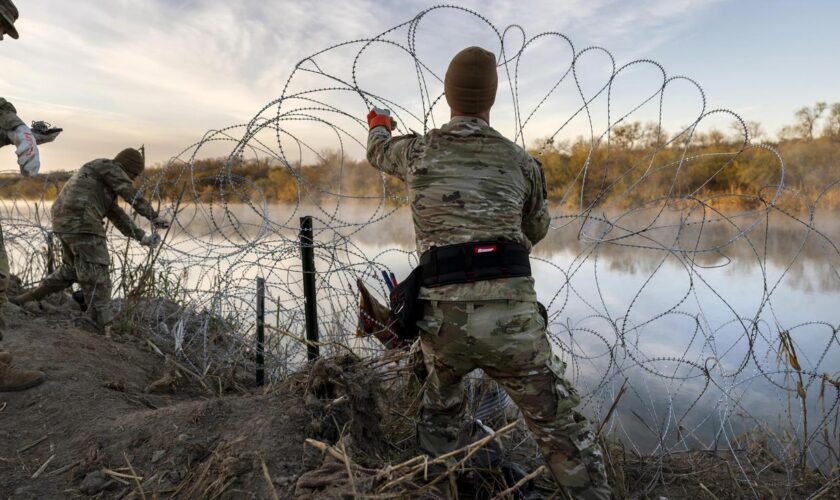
x=36, y=293
x=12, y=379
x=5, y=358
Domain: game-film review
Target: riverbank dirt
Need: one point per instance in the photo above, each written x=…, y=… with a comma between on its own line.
x=99, y=411
x=119, y=419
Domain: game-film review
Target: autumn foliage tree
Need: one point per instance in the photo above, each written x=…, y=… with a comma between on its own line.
x=635, y=164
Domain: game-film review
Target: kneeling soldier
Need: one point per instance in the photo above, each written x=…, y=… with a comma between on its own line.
x=479, y=204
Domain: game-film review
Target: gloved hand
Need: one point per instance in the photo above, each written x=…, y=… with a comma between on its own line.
x=161, y=222
x=150, y=240
x=44, y=132
x=27, y=151
x=381, y=118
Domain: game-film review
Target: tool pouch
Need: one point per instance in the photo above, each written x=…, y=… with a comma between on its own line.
x=406, y=308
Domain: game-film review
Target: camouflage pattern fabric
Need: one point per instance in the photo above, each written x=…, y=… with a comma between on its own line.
x=507, y=340
x=84, y=260
x=466, y=183
x=87, y=198
x=91, y=195
x=9, y=121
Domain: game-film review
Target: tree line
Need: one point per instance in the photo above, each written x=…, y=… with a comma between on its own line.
x=636, y=163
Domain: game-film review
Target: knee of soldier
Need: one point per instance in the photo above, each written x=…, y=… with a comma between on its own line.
x=65, y=272
x=93, y=274
x=567, y=396
x=548, y=397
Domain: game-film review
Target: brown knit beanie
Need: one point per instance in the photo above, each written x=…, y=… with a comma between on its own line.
x=471, y=81
x=131, y=161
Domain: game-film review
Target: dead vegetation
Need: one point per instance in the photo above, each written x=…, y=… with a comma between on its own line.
x=128, y=419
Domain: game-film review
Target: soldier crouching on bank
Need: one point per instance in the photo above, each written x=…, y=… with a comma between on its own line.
x=90, y=196
x=479, y=204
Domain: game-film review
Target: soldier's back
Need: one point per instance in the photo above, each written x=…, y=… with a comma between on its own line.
x=468, y=184
x=83, y=202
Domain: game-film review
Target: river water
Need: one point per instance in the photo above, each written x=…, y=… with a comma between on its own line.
x=687, y=309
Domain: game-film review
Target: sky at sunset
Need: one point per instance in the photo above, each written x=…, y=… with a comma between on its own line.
x=161, y=73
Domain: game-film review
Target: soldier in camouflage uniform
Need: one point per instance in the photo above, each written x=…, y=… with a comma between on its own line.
x=84, y=202
x=468, y=183
x=14, y=132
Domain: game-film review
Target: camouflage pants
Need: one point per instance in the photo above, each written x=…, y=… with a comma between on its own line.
x=506, y=339
x=4, y=282
x=85, y=260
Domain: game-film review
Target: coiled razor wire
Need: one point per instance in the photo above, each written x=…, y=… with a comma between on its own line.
x=685, y=305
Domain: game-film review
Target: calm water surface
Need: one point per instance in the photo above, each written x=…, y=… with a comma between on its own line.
x=687, y=311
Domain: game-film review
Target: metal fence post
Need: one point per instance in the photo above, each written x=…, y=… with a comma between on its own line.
x=260, y=331
x=50, y=253
x=307, y=255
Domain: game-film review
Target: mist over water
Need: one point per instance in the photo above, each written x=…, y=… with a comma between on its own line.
x=688, y=311
x=697, y=320
x=695, y=307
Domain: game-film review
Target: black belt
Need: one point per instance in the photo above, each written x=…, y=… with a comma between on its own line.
x=474, y=261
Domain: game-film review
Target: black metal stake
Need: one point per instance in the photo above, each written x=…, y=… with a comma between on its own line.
x=307, y=255
x=260, y=331
x=50, y=254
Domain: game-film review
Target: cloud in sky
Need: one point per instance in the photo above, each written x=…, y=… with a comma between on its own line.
x=162, y=72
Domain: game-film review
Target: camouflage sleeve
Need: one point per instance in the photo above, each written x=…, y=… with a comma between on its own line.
x=535, y=216
x=115, y=177
x=9, y=119
x=391, y=155
x=124, y=224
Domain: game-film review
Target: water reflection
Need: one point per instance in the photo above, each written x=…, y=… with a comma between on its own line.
x=689, y=312
x=687, y=309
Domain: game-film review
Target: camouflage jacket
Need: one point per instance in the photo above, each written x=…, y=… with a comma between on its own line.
x=467, y=182
x=8, y=121
x=91, y=195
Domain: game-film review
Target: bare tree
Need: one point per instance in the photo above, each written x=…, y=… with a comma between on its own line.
x=788, y=133
x=753, y=128
x=807, y=119
x=626, y=135
x=832, y=122
x=653, y=135
x=713, y=137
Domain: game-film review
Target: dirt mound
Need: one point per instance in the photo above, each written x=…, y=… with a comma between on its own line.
x=121, y=417
x=94, y=413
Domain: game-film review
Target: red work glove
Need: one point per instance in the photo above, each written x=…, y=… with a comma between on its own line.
x=381, y=118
